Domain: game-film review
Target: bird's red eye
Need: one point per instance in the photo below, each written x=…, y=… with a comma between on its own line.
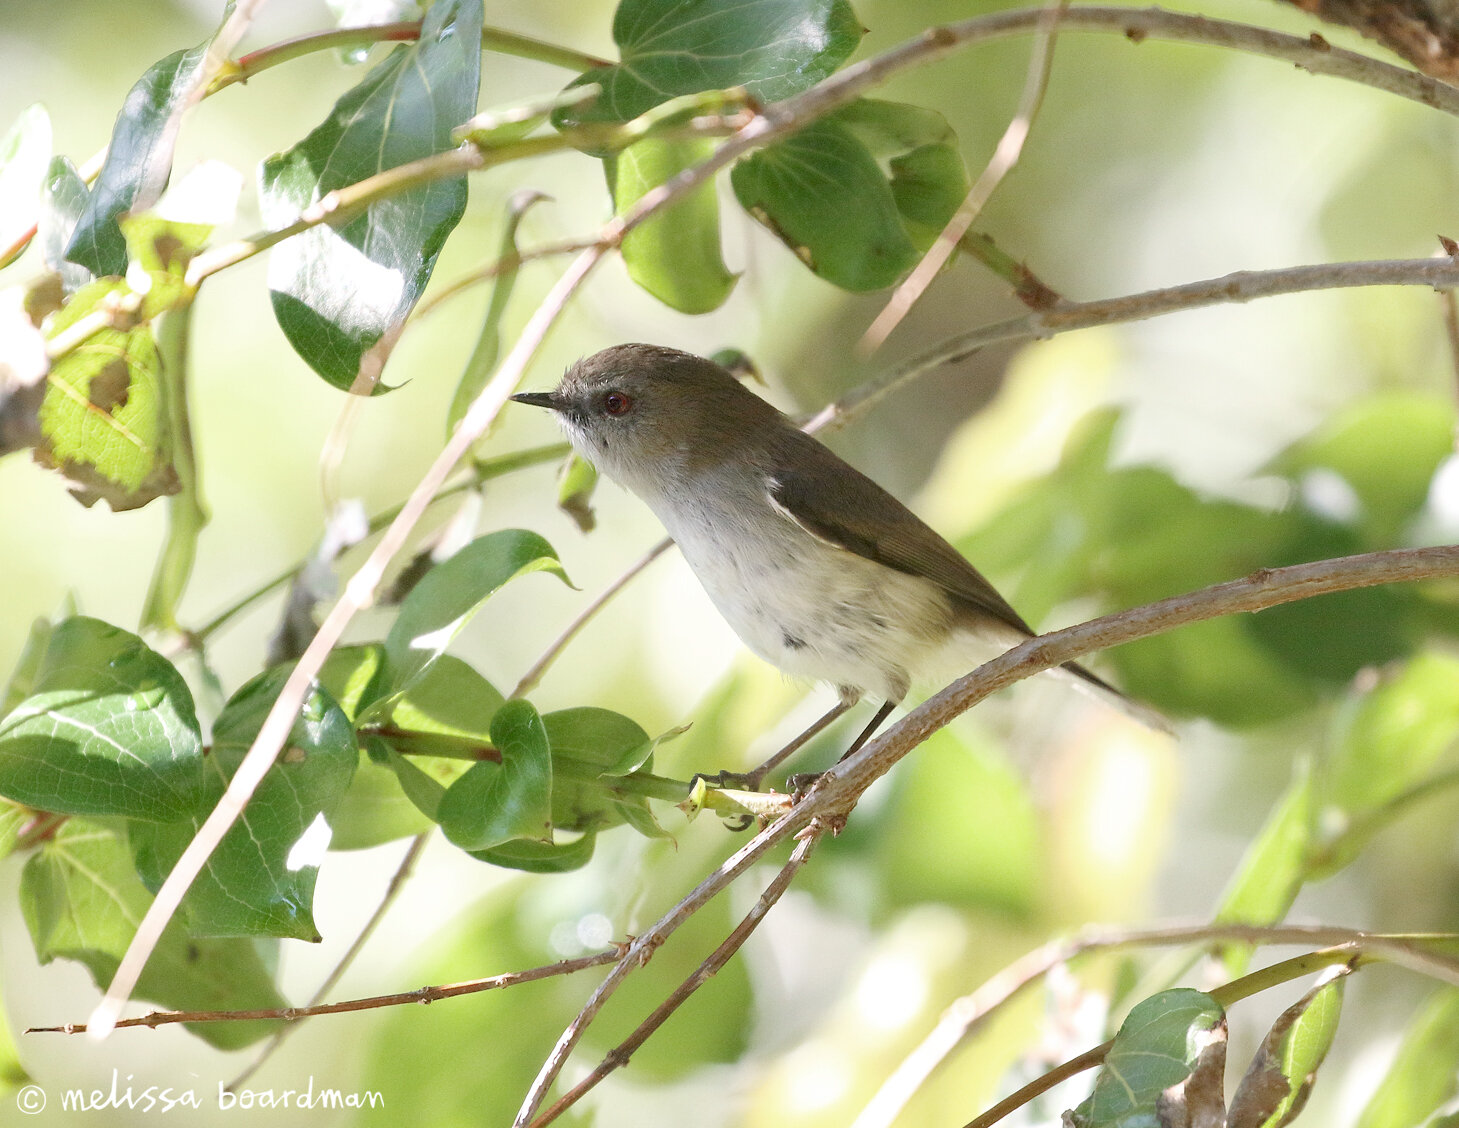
x=616, y=403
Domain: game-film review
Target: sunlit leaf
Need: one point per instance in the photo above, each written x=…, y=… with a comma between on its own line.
x=342, y=293
x=1425, y=1073
x=1273, y=868
x=675, y=253
x=102, y=420
x=1393, y=736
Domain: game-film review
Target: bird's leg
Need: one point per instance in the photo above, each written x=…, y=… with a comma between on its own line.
x=803, y=780
x=751, y=781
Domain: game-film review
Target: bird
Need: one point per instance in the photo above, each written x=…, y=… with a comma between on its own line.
x=818, y=569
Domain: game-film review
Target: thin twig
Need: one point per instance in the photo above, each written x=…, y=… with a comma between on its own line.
x=1064, y=317
x=619, y=1055
x=966, y=1015
x=392, y=891
x=839, y=789
x=559, y=644
x=1449, y=307
x=294, y=1014
x=1000, y=164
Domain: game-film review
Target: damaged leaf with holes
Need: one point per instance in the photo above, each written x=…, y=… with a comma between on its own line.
x=104, y=419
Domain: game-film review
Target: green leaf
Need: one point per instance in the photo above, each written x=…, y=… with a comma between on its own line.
x=447, y=596
x=804, y=188
x=82, y=900
x=1393, y=737
x=530, y=856
x=895, y=167
x=1273, y=868
x=260, y=879
x=589, y=744
x=1425, y=1073
x=575, y=486
x=773, y=48
x=351, y=675
x=27, y=670
x=163, y=248
x=1385, y=449
x=103, y=422
x=1281, y=1075
x=446, y=711
x=108, y=729
x=25, y=151
x=441, y=718
x=919, y=154
x=1157, y=1047
x=12, y=821
x=675, y=254
x=495, y=802
x=139, y=157
x=1331, y=637
x=341, y=295
x=375, y=809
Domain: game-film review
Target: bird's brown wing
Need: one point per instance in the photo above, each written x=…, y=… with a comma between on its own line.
x=835, y=502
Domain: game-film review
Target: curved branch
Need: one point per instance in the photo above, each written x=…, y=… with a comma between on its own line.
x=836, y=792
x=1440, y=273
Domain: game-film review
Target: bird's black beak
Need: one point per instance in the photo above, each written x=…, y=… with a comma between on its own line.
x=540, y=399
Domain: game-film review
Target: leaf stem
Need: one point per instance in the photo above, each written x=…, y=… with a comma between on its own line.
x=405, y=31
x=187, y=511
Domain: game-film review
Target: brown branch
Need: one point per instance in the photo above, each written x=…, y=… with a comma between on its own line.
x=1423, y=32
x=1066, y=316
x=619, y=1055
x=294, y=1014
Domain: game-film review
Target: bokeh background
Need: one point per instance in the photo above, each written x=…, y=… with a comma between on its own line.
x=1149, y=165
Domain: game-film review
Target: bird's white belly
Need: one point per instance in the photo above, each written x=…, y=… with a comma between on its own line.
x=816, y=611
